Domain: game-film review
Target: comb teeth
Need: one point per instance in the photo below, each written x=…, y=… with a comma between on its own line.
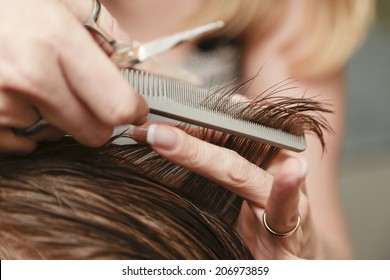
x=185, y=102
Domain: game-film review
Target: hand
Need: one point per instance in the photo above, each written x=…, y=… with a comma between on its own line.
x=51, y=67
x=287, y=208
x=281, y=196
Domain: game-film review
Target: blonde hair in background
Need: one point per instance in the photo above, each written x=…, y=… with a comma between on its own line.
x=329, y=30
x=240, y=16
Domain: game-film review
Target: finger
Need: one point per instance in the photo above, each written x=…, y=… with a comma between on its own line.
x=282, y=208
x=97, y=81
x=14, y=144
x=64, y=111
x=47, y=134
x=20, y=122
x=139, y=133
x=83, y=9
x=111, y=26
x=50, y=94
x=16, y=112
x=221, y=165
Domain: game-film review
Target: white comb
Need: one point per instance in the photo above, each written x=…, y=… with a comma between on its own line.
x=185, y=102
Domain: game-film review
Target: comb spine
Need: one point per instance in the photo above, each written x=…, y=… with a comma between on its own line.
x=180, y=101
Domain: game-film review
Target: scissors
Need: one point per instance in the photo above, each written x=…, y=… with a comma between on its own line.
x=128, y=55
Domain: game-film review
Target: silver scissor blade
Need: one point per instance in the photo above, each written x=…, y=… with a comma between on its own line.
x=148, y=50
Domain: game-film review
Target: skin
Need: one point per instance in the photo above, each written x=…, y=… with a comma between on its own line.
x=281, y=196
x=63, y=78
x=321, y=181
x=96, y=101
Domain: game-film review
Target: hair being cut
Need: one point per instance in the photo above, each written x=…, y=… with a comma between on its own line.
x=68, y=201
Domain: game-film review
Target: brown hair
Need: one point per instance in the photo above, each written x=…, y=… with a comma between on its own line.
x=67, y=201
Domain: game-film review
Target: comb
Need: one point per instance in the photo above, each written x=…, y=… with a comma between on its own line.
x=181, y=101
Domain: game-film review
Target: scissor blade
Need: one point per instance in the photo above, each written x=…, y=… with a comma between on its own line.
x=148, y=50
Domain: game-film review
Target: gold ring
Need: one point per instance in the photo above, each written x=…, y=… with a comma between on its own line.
x=283, y=234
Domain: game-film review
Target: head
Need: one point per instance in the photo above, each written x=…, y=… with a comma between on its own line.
x=67, y=201
x=70, y=202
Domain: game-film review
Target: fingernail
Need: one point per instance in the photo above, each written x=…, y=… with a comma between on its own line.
x=162, y=136
x=304, y=166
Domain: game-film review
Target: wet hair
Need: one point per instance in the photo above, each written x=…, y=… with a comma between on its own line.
x=68, y=201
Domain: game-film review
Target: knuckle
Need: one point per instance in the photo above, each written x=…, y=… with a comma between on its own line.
x=239, y=171
x=24, y=76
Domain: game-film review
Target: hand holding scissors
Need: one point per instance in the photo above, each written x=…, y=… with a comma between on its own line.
x=127, y=55
x=63, y=78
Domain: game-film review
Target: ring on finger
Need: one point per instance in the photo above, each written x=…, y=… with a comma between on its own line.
x=281, y=234
x=33, y=129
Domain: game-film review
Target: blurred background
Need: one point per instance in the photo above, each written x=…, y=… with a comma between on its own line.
x=365, y=168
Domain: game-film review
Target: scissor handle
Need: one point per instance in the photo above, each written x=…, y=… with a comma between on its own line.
x=91, y=24
x=124, y=55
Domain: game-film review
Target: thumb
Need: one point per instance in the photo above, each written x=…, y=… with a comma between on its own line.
x=283, y=203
